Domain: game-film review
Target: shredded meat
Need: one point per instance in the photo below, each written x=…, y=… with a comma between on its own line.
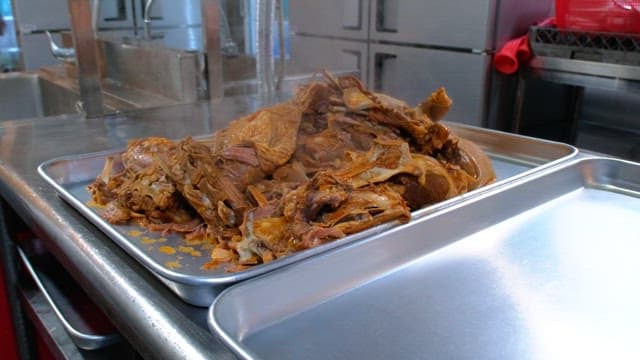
x=333, y=161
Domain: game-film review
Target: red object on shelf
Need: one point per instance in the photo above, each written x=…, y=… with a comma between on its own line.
x=620, y=16
x=515, y=51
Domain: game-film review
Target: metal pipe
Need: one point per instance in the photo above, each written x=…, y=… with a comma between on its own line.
x=264, y=46
x=211, y=27
x=62, y=53
x=280, y=66
x=95, y=14
x=229, y=47
x=86, y=56
x=146, y=18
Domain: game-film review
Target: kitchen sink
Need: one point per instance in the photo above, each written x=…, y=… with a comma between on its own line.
x=27, y=95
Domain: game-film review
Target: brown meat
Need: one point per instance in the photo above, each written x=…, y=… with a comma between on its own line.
x=333, y=161
x=138, y=187
x=271, y=132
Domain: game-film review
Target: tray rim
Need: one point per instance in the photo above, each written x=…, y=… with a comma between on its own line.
x=218, y=279
x=235, y=345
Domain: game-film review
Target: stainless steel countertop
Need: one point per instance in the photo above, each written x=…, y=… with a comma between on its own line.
x=154, y=320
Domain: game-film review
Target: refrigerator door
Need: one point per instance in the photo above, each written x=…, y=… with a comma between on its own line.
x=448, y=23
x=412, y=74
x=313, y=54
x=115, y=14
x=339, y=18
x=39, y=15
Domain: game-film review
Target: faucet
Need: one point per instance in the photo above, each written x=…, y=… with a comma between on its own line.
x=60, y=53
x=229, y=47
x=69, y=54
x=146, y=18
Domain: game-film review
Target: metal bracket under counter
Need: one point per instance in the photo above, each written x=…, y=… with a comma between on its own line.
x=577, y=74
x=59, y=341
x=86, y=325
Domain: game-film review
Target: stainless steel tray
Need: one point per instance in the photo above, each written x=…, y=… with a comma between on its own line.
x=545, y=267
x=513, y=156
x=86, y=325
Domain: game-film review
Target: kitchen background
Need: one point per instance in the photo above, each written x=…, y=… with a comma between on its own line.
x=404, y=48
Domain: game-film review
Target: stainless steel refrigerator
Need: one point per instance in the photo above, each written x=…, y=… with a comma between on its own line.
x=175, y=23
x=33, y=18
x=408, y=48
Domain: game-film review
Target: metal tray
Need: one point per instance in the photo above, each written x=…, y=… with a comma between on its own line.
x=513, y=156
x=545, y=267
x=87, y=326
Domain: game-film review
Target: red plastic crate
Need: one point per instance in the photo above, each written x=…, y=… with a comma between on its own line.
x=619, y=16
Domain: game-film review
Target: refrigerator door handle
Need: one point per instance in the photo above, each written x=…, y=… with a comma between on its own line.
x=386, y=15
x=380, y=59
x=358, y=60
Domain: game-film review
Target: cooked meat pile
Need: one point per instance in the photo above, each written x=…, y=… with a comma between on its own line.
x=335, y=160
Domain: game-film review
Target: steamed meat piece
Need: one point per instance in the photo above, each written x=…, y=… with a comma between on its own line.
x=326, y=202
x=414, y=124
x=271, y=132
x=214, y=187
x=465, y=160
x=326, y=146
x=367, y=207
x=138, y=188
x=141, y=153
x=322, y=210
x=475, y=162
x=437, y=105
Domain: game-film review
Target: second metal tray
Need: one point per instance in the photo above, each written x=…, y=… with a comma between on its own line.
x=544, y=268
x=179, y=265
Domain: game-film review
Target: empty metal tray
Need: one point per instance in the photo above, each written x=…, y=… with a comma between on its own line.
x=545, y=267
x=178, y=264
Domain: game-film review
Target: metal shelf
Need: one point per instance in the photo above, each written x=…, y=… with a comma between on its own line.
x=584, y=73
x=578, y=74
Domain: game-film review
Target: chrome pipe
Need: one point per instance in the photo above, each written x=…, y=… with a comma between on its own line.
x=147, y=19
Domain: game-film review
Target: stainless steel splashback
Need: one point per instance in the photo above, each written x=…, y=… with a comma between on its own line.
x=172, y=73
